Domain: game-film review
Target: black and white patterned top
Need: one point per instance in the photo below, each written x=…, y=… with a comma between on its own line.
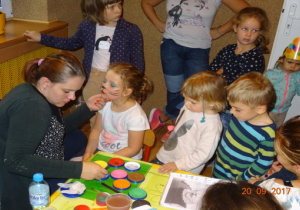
x=51, y=147
x=234, y=65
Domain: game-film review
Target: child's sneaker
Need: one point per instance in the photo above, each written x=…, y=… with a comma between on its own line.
x=154, y=120
x=166, y=135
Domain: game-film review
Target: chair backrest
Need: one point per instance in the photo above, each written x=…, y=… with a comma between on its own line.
x=149, y=139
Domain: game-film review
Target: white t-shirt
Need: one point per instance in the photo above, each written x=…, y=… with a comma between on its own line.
x=193, y=143
x=289, y=197
x=103, y=40
x=189, y=23
x=114, y=135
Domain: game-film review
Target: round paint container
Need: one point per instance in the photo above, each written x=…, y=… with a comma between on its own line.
x=82, y=207
x=132, y=166
x=100, y=198
x=137, y=194
x=136, y=177
x=118, y=174
x=116, y=162
x=104, y=178
x=121, y=184
x=102, y=163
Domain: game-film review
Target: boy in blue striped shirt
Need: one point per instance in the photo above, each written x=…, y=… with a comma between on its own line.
x=247, y=146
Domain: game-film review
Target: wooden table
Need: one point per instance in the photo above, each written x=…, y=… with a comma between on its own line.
x=153, y=184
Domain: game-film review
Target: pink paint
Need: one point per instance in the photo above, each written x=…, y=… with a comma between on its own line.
x=118, y=174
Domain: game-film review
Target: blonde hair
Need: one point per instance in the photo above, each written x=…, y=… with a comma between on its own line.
x=260, y=15
x=287, y=140
x=134, y=79
x=252, y=89
x=94, y=10
x=206, y=85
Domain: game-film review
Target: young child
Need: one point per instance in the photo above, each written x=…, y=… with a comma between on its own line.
x=106, y=37
x=197, y=130
x=285, y=77
x=246, y=148
x=250, y=25
x=238, y=196
x=120, y=125
x=287, y=147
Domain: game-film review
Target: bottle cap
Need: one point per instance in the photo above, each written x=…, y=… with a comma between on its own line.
x=38, y=177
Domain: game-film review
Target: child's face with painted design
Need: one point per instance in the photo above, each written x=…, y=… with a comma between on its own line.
x=112, y=86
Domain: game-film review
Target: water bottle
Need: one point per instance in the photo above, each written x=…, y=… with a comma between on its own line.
x=39, y=192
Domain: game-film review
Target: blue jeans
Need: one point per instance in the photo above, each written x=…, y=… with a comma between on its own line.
x=178, y=64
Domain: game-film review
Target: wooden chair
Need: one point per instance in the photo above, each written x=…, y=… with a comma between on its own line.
x=149, y=139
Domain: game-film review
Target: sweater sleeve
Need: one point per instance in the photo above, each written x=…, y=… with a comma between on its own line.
x=216, y=64
x=76, y=118
x=207, y=143
x=136, y=48
x=263, y=162
x=73, y=43
x=28, y=123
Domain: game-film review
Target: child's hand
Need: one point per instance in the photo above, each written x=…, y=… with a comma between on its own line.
x=276, y=166
x=33, y=36
x=96, y=102
x=86, y=156
x=167, y=168
x=220, y=71
x=252, y=180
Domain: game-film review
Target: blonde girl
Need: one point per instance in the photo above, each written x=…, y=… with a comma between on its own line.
x=251, y=26
x=120, y=125
x=287, y=147
x=285, y=77
x=194, y=139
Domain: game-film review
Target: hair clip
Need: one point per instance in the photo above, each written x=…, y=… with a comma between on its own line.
x=40, y=61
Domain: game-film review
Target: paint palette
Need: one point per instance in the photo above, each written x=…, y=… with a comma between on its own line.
x=131, y=173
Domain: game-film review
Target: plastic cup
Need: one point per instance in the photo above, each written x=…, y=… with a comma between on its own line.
x=118, y=201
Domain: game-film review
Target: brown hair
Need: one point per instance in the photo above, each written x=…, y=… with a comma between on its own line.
x=287, y=140
x=238, y=196
x=207, y=85
x=134, y=79
x=94, y=10
x=255, y=12
x=252, y=89
x=58, y=68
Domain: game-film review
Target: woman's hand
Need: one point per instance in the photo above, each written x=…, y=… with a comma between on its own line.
x=33, y=36
x=91, y=171
x=96, y=102
x=167, y=168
